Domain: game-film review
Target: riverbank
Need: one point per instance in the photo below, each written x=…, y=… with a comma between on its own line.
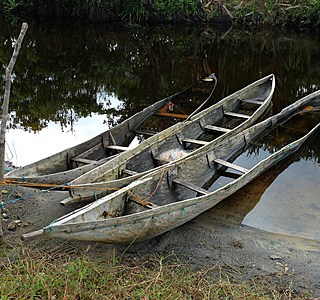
x=195, y=261
x=301, y=14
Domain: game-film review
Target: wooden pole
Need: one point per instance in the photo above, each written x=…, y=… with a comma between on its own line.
x=5, y=110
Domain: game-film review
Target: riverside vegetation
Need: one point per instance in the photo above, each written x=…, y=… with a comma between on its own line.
x=60, y=275
x=302, y=13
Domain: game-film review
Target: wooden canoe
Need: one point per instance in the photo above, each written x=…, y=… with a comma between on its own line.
x=225, y=118
x=175, y=194
x=68, y=164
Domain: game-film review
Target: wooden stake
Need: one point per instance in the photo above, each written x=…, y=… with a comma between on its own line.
x=5, y=112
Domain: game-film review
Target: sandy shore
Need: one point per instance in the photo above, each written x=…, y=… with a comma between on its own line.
x=241, y=252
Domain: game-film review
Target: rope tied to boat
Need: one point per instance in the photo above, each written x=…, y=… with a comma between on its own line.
x=52, y=225
x=50, y=186
x=145, y=202
x=184, y=211
x=64, y=186
x=211, y=77
x=6, y=202
x=136, y=198
x=35, y=184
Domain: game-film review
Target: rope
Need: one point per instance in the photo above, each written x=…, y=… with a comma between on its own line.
x=21, y=198
x=135, y=197
x=34, y=184
x=52, y=185
x=146, y=201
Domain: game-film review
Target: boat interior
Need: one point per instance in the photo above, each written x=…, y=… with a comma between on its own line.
x=231, y=162
x=193, y=135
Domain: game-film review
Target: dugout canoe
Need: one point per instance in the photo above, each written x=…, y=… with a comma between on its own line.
x=69, y=164
x=175, y=194
x=225, y=118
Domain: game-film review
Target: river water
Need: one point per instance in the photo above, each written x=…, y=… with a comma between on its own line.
x=73, y=81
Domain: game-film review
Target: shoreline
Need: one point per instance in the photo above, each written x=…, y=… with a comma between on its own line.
x=242, y=253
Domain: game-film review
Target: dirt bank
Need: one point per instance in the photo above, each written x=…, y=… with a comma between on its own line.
x=242, y=253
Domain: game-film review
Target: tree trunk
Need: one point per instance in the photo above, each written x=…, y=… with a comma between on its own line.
x=5, y=107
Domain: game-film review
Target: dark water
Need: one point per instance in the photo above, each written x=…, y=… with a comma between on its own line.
x=72, y=81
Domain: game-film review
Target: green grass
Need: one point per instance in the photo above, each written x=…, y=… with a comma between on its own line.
x=249, y=12
x=65, y=277
x=282, y=12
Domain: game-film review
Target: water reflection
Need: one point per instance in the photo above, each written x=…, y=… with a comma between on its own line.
x=285, y=199
x=66, y=73
x=290, y=205
x=66, y=66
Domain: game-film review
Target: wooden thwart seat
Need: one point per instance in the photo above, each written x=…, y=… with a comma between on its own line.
x=257, y=101
x=193, y=141
x=216, y=128
x=229, y=174
x=149, y=133
x=118, y=148
x=230, y=165
x=83, y=160
x=190, y=186
x=236, y=115
x=129, y=172
x=113, y=145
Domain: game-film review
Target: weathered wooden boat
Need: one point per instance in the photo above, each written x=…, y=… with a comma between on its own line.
x=171, y=196
x=68, y=164
x=229, y=116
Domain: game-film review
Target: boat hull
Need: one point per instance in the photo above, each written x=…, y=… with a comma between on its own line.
x=67, y=165
x=112, y=219
x=144, y=226
x=141, y=160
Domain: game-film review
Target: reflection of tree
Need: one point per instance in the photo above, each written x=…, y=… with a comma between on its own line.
x=67, y=67
x=290, y=131
x=235, y=207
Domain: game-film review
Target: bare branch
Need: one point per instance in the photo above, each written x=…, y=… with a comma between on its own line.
x=5, y=107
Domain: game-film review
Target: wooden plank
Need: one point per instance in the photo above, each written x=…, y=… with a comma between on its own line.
x=171, y=115
x=257, y=101
x=83, y=160
x=229, y=174
x=163, y=112
x=236, y=115
x=230, y=165
x=116, y=147
x=180, y=137
x=129, y=172
x=112, y=140
x=197, y=142
x=32, y=235
x=216, y=128
x=149, y=133
x=144, y=204
x=190, y=186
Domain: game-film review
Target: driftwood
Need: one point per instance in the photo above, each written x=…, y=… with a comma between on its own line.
x=5, y=107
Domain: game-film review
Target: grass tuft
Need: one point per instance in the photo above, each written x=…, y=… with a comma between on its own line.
x=158, y=277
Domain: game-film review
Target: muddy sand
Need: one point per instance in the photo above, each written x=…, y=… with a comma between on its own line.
x=208, y=241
